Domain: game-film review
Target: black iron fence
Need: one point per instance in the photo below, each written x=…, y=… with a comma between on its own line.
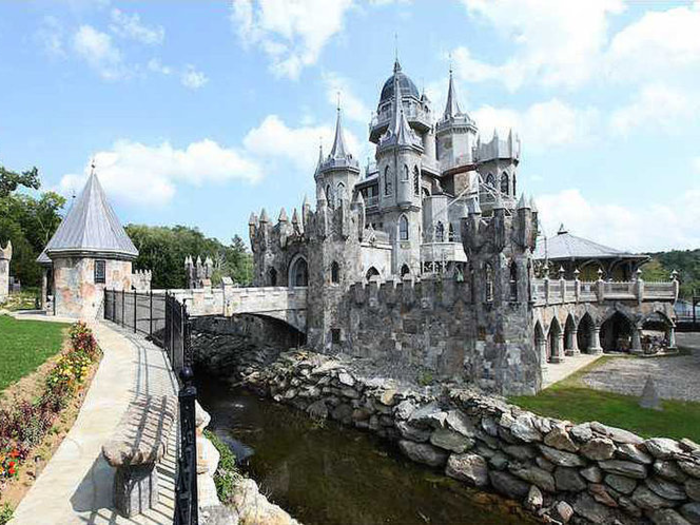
x=164, y=320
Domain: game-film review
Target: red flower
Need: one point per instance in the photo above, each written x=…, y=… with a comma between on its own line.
x=12, y=471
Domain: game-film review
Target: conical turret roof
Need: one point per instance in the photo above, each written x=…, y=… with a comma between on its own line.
x=338, y=150
x=452, y=105
x=91, y=226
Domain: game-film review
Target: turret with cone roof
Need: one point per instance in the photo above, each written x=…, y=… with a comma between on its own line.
x=456, y=132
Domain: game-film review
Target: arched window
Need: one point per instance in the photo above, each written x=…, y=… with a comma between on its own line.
x=513, y=281
x=426, y=192
x=515, y=189
x=416, y=181
x=405, y=175
x=490, y=180
x=329, y=195
x=451, y=233
x=403, y=228
x=439, y=232
x=335, y=273
x=387, y=181
x=272, y=277
x=298, y=272
x=405, y=270
x=371, y=273
x=340, y=192
x=488, y=281
x=504, y=183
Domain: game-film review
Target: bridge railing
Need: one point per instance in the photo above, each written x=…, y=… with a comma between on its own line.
x=560, y=291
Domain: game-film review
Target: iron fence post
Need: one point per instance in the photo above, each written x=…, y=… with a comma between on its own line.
x=150, y=315
x=135, y=299
x=122, y=319
x=186, y=506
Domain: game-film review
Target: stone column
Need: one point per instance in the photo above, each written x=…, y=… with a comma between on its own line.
x=573, y=345
x=558, y=350
x=595, y=347
x=542, y=349
x=636, y=340
x=671, y=333
x=44, y=288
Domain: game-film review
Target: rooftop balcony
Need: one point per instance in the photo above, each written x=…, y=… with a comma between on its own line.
x=419, y=119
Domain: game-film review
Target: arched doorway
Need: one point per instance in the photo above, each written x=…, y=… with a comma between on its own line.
x=584, y=333
x=371, y=273
x=298, y=272
x=616, y=333
x=405, y=270
x=554, y=340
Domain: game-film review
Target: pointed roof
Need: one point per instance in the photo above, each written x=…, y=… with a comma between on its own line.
x=338, y=150
x=403, y=133
x=90, y=226
x=452, y=106
x=565, y=246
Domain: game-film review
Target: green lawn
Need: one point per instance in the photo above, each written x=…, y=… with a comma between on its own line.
x=25, y=345
x=570, y=399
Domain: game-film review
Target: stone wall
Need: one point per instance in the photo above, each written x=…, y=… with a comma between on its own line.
x=584, y=473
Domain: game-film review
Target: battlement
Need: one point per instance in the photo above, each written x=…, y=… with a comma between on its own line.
x=498, y=148
x=141, y=280
x=428, y=293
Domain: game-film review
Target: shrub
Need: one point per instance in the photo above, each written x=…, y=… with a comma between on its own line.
x=226, y=474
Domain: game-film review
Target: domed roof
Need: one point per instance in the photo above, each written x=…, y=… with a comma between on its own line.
x=405, y=83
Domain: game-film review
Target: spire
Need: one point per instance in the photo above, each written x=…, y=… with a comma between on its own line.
x=398, y=105
x=533, y=205
x=522, y=203
x=452, y=106
x=263, y=217
x=295, y=217
x=403, y=134
x=253, y=221
x=282, y=216
x=338, y=150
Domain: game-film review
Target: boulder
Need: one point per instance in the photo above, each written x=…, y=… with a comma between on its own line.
x=534, y=498
x=508, y=485
x=590, y=509
x=423, y=453
x=666, y=489
x=669, y=469
x=404, y=409
x=663, y=448
x=602, y=495
x=388, y=396
x=563, y=511
x=468, y=467
x=560, y=439
x=645, y=499
x=667, y=517
x=451, y=440
x=561, y=458
x=582, y=432
x=598, y=449
x=524, y=429
x=459, y=422
x=408, y=431
x=489, y=425
x=346, y=379
x=569, y=479
x=634, y=453
x=342, y=413
x=592, y=474
x=618, y=435
x=318, y=410
x=499, y=460
x=428, y=415
x=624, y=468
x=692, y=468
x=536, y=476
x=691, y=512
x=692, y=488
x=361, y=414
x=545, y=464
x=521, y=452
x=621, y=484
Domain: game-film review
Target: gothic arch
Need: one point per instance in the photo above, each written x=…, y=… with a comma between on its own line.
x=340, y=192
x=387, y=181
x=405, y=173
x=616, y=332
x=335, y=272
x=505, y=187
x=584, y=332
x=513, y=281
x=272, y=277
x=440, y=232
x=416, y=181
x=371, y=273
x=490, y=180
x=451, y=233
x=405, y=270
x=554, y=340
x=298, y=271
x=540, y=342
x=403, y=228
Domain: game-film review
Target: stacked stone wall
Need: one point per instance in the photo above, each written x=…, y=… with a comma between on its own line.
x=578, y=473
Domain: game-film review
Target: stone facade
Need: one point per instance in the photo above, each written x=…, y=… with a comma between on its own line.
x=583, y=473
x=5, y=258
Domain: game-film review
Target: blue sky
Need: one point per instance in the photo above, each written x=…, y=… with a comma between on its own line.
x=198, y=113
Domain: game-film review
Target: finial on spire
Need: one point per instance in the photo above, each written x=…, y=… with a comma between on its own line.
x=338, y=104
x=92, y=166
x=397, y=65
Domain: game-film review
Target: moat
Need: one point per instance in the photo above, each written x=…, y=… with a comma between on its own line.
x=326, y=473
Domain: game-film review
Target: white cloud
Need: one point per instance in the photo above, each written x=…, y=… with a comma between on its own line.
x=650, y=228
x=193, y=79
x=97, y=49
x=557, y=42
x=659, y=105
x=542, y=125
x=130, y=26
x=278, y=143
x=291, y=33
x=352, y=106
x=156, y=66
x=51, y=35
x=148, y=175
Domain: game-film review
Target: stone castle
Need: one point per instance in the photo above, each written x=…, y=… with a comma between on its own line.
x=427, y=258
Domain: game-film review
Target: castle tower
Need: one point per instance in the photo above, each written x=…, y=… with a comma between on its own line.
x=337, y=174
x=5, y=258
x=497, y=162
x=399, y=162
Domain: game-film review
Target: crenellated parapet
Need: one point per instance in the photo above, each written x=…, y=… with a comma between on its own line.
x=198, y=272
x=141, y=280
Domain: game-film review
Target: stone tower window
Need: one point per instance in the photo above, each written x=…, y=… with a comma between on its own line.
x=490, y=180
x=403, y=228
x=371, y=273
x=299, y=273
x=272, y=277
x=405, y=270
x=513, y=281
x=100, y=271
x=515, y=189
x=335, y=273
x=329, y=195
x=416, y=181
x=451, y=233
x=340, y=193
x=387, y=181
x=504, y=183
x=488, y=281
x=440, y=232
x=405, y=176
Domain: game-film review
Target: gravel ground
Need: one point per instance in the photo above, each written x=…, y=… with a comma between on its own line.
x=675, y=377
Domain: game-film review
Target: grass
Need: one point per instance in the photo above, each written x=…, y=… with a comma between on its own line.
x=25, y=345
x=571, y=399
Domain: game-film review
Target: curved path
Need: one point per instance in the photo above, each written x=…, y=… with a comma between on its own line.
x=76, y=484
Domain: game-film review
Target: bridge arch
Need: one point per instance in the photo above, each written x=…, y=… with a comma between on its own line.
x=584, y=333
x=616, y=332
x=298, y=271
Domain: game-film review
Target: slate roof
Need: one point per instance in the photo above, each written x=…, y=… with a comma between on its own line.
x=91, y=226
x=406, y=84
x=565, y=246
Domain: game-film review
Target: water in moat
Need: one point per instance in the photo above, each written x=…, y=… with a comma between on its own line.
x=330, y=474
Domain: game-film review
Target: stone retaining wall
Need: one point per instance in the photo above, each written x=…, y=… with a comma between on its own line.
x=585, y=473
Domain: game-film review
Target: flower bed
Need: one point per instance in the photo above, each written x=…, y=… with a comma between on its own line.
x=25, y=424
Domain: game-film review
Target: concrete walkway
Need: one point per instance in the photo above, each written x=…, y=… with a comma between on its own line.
x=76, y=485
x=556, y=372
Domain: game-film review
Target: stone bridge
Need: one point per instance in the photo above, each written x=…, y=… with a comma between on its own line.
x=285, y=304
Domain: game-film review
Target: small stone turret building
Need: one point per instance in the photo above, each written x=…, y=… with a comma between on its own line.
x=5, y=258
x=89, y=252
